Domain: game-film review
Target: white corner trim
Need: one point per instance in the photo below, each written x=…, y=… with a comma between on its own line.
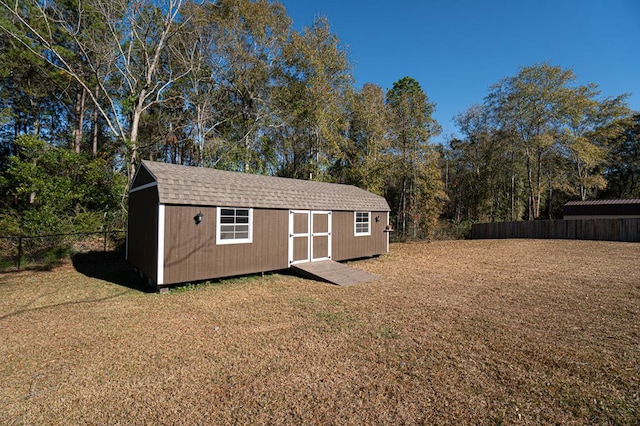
x=142, y=187
x=160, y=270
x=387, y=227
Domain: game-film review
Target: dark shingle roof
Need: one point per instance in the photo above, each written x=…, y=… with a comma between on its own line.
x=204, y=186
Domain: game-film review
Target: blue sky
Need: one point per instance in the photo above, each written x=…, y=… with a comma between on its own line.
x=457, y=49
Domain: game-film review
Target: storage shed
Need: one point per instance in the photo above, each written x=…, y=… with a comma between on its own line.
x=190, y=224
x=602, y=209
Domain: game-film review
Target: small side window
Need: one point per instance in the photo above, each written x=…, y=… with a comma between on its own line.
x=362, y=224
x=234, y=225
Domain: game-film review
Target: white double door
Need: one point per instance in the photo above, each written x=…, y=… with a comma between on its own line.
x=309, y=236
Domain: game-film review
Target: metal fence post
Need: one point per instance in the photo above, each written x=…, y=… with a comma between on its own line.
x=19, y=252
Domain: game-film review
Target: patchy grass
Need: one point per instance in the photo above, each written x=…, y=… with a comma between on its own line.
x=502, y=331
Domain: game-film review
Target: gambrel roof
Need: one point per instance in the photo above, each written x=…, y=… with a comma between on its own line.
x=210, y=187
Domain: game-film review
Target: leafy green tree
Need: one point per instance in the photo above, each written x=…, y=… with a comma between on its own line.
x=312, y=104
x=163, y=134
x=551, y=115
x=529, y=105
x=482, y=171
x=32, y=96
x=53, y=189
x=127, y=53
x=364, y=157
x=415, y=184
x=587, y=127
x=204, y=104
x=622, y=169
x=247, y=61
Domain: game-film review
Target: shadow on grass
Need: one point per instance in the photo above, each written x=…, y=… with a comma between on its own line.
x=25, y=308
x=110, y=267
x=33, y=266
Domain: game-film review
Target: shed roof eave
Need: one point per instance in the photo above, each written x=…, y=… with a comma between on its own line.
x=618, y=201
x=293, y=207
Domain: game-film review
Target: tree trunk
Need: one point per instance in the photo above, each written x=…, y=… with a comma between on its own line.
x=78, y=119
x=133, y=144
x=247, y=155
x=582, y=176
x=549, y=213
x=199, y=134
x=531, y=190
x=536, y=212
x=94, y=130
x=404, y=208
x=133, y=135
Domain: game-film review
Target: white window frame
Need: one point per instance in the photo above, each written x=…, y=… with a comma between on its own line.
x=355, y=224
x=219, y=240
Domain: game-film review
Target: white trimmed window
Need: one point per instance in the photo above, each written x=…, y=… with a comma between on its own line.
x=234, y=225
x=362, y=223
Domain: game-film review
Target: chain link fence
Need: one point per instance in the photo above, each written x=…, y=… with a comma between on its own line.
x=18, y=252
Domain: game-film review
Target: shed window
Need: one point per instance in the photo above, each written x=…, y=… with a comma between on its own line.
x=234, y=225
x=362, y=223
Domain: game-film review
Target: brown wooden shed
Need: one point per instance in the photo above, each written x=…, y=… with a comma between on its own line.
x=189, y=224
x=602, y=209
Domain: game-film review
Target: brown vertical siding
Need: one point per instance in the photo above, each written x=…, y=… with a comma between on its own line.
x=191, y=253
x=320, y=222
x=320, y=247
x=300, y=248
x=604, y=209
x=300, y=223
x=142, y=235
x=346, y=246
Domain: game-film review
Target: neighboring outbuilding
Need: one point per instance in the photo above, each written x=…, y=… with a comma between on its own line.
x=602, y=209
x=189, y=224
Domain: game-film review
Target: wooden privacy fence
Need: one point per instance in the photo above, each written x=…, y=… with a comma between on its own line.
x=581, y=229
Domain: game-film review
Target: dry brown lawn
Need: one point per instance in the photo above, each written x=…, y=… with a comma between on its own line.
x=489, y=332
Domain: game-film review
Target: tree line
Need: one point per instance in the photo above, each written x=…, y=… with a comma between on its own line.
x=539, y=140
x=88, y=88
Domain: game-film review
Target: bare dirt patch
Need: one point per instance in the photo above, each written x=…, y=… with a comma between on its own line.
x=503, y=331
